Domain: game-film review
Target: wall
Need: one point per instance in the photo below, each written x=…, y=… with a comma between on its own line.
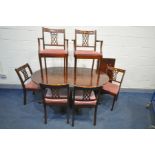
x=133, y=48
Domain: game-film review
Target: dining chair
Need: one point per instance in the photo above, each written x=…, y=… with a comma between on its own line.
x=107, y=62
x=55, y=95
x=24, y=73
x=85, y=97
x=112, y=87
x=85, y=47
x=53, y=44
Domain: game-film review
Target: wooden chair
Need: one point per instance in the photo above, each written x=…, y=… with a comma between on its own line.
x=85, y=44
x=55, y=95
x=24, y=73
x=57, y=47
x=112, y=87
x=85, y=97
x=107, y=62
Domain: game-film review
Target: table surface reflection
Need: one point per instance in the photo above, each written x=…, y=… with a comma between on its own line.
x=84, y=77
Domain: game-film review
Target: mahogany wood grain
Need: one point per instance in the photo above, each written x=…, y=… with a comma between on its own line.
x=84, y=77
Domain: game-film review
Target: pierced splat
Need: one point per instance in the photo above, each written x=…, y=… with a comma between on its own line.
x=86, y=95
x=54, y=39
x=55, y=93
x=115, y=73
x=85, y=39
x=24, y=72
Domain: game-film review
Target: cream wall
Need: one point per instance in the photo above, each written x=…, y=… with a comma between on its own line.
x=133, y=48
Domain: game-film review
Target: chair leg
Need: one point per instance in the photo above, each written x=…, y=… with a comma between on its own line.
x=41, y=68
x=64, y=64
x=75, y=65
x=66, y=68
x=33, y=92
x=93, y=65
x=117, y=96
x=46, y=69
x=25, y=93
x=45, y=114
x=73, y=112
x=113, y=103
x=95, y=112
x=99, y=65
x=68, y=114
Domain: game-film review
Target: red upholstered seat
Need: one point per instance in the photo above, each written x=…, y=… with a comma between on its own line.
x=85, y=103
x=80, y=101
x=87, y=54
x=31, y=85
x=53, y=53
x=111, y=87
x=55, y=101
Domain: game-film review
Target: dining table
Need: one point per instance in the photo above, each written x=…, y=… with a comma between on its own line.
x=84, y=77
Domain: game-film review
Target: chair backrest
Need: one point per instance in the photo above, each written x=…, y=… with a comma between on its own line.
x=53, y=37
x=86, y=92
x=107, y=61
x=55, y=91
x=115, y=74
x=85, y=39
x=24, y=73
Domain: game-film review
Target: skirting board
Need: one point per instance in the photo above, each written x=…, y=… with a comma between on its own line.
x=16, y=86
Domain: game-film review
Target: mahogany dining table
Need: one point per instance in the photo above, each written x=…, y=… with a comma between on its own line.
x=84, y=77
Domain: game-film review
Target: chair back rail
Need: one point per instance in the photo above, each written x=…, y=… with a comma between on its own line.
x=113, y=74
x=85, y=38
x=54, y=37
x=86, y=92
x=23, y=74
x=55, y=91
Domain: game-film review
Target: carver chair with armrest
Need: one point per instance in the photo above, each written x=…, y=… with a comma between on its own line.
x=24, y=73
x=54, y=45
x=55, y=95
x=85, y=97
x=112, y=87
x=85, y=45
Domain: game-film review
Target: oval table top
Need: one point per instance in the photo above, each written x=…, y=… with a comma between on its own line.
x=84, y=77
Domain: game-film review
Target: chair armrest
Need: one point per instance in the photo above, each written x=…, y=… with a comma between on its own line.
x=101, y=45
x=39, y=41
x=66, y=45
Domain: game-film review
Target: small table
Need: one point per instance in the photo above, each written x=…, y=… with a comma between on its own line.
x=84, y=77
